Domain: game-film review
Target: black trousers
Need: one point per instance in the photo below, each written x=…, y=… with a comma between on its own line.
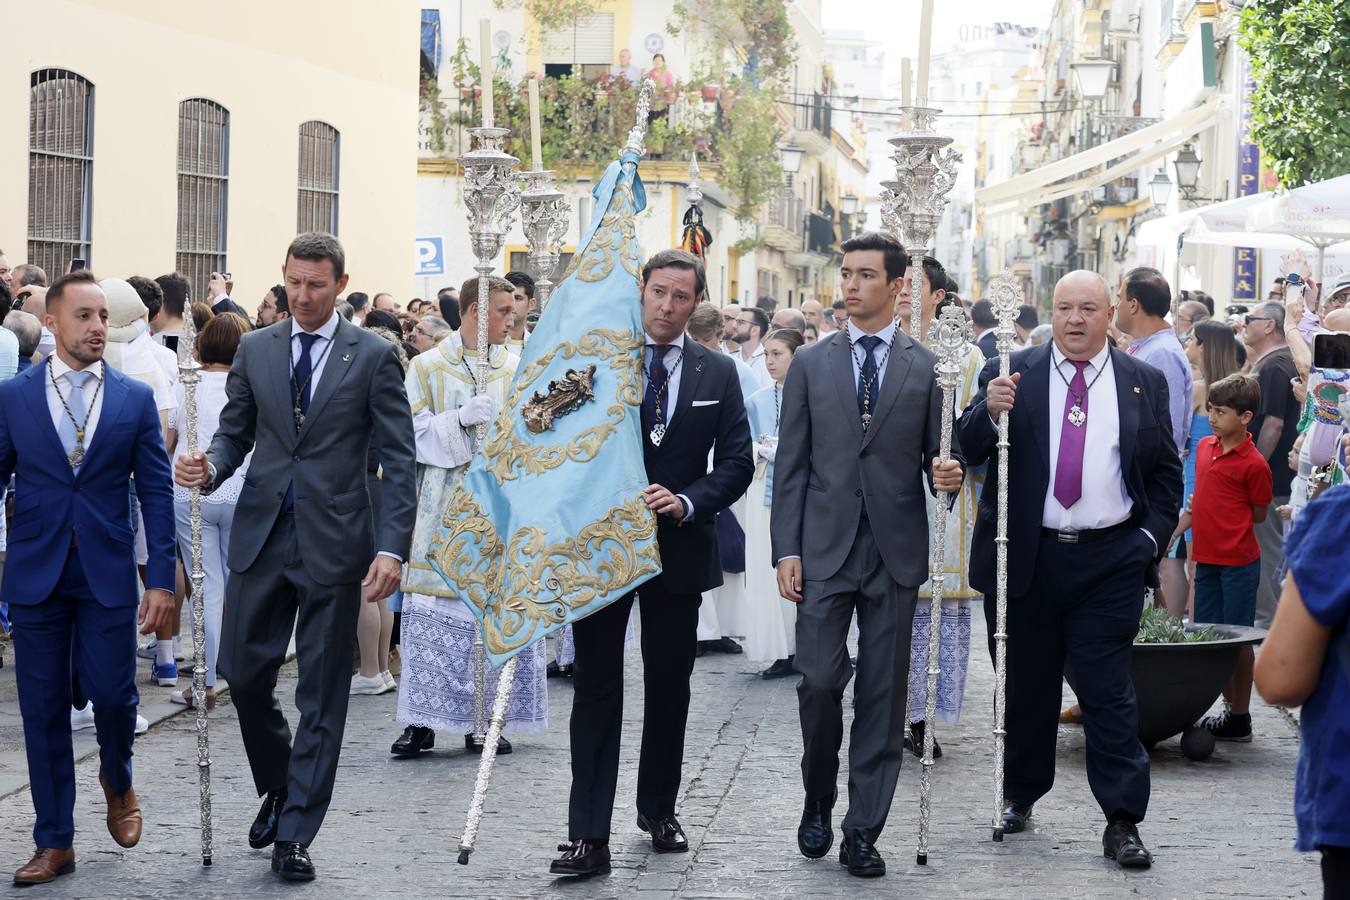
x=669, y=635
x=261, y=610
x=1083, y=605
x=1335, y=872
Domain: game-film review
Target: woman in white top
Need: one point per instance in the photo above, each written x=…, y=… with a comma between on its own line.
x=770, y=621
x=216, y=346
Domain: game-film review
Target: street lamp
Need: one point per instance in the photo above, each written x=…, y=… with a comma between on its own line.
x=1187, y=165
x=791, y=157
x=1093, y=75
x=848, y=208
x=1160, y=189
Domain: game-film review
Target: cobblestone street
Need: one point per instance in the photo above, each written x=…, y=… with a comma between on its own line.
x=1223, y=827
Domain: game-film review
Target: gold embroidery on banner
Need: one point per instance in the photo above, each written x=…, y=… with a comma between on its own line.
x=509, y=456
x=518, y=587
x=613, y=239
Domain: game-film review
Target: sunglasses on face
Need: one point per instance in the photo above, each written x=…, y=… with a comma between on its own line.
x=1250, y=319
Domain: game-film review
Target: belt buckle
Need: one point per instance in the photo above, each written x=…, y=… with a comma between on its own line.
x=1066, y=537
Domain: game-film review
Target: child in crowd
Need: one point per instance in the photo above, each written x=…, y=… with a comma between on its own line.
x=771, y=620
x=1233, y=487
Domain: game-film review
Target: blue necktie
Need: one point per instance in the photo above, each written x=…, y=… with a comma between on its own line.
x=300, y=391
x=657, y=377
x=867, y=400
x=304, y=369
x=75, y=400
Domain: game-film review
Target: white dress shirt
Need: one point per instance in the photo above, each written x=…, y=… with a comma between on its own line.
x=673, y=356
x=672, y=393
x=93, y=397
x=758, y=366
x=880, y=354
x=47, y=343
x=318, y=358
x=1104, y=502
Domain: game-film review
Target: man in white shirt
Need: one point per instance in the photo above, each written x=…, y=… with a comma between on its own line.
x=752, y=324
x=625, y=68
x=1094, y=492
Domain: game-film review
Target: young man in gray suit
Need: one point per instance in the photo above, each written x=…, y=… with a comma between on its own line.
x=307, y=396
x=858, y=437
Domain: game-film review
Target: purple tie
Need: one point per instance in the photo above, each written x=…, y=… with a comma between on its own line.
x=1069, y=468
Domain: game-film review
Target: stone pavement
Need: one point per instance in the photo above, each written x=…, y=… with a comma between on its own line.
x=1222, y=827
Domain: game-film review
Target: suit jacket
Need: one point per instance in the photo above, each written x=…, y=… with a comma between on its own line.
x=225, y=304
x=52, y=502
x=709, y=417
x=826, y=468
x=359, y=399
x=1149, y=461
x=988, y=344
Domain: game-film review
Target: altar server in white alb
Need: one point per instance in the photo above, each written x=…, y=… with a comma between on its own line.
x=436, y=692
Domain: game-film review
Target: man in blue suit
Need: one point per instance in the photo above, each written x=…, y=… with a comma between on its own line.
x=74, y=431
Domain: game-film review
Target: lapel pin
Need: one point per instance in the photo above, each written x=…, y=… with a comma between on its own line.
x=347, y=357
x=698, y=369
x=1136, y=388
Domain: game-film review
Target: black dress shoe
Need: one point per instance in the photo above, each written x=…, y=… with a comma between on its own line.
x=860, y=856
x=814, y=834
x=582, y=857
x=553, y=670
x=1121, y=842
x=701, y=648
x=667, y=835
x=1015, y=817
x=412, y=742
x=781, y=668
x=290, y=860
x=914, y=741
x=474, y=743
x=264, y=830
x=725, y=645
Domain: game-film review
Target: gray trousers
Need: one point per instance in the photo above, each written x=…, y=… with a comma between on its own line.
x=1270, y=538
x=261, y=608
x=876, y=742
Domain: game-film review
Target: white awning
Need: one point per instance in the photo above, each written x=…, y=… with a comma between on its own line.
x=1134, y=150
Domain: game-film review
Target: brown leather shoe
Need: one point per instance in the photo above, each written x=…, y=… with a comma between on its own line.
x=124, y=815
x=46, y=865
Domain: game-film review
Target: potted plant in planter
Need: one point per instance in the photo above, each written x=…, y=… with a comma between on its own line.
x=1178, y=672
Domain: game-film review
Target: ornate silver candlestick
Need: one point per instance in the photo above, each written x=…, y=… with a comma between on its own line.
x=925, y=173
x=491, y=195
x=543, y=216
x=189, y=371
x=949, y=335
x=1006, y=296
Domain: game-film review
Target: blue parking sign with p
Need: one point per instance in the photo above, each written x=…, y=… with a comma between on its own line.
x=431, y=256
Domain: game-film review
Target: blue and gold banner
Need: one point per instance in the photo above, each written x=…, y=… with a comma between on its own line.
x=549, y=524
x=1246, y=265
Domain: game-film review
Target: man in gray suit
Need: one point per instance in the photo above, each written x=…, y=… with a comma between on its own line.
x=302, y=540
x=858, y=435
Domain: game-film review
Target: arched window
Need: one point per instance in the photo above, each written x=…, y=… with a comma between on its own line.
x=60, y=168
x=203, y=190
x=318, y=197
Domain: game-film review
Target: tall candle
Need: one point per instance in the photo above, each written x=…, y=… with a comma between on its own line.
x=906, y=82
x=536, y=134
x=485, y=68
x=925, y=49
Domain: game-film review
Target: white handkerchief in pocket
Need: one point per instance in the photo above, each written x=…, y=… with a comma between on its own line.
x=705, y=403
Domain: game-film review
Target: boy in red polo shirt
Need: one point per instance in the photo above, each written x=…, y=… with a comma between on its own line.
x=1232, y=493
